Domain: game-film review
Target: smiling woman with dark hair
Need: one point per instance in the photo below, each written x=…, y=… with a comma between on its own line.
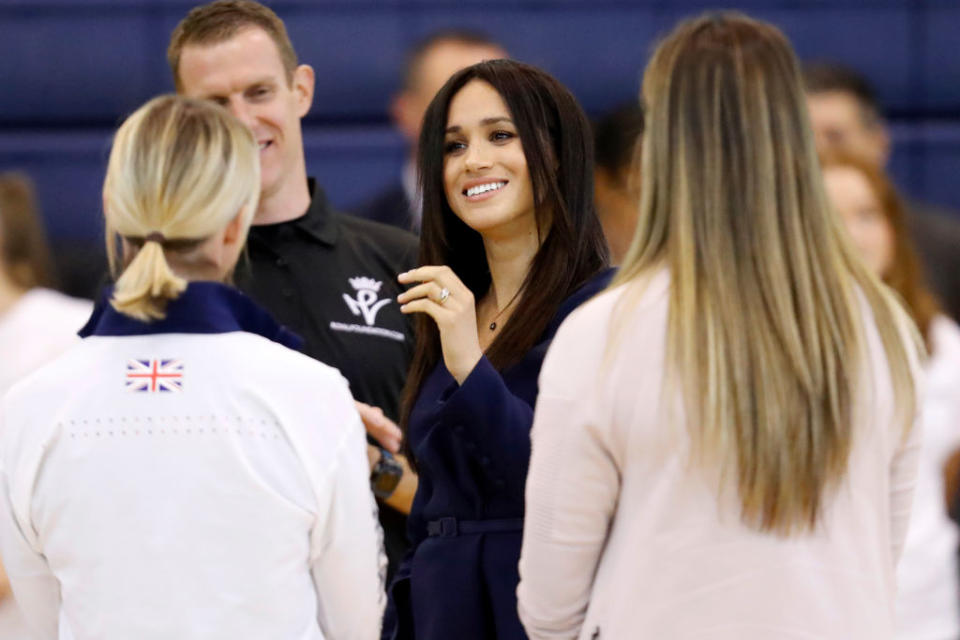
x=511, y=244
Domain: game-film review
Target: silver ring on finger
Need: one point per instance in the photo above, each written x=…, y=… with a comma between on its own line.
x=444, y=294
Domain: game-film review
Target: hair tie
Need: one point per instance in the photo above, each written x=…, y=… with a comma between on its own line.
x=154, y=236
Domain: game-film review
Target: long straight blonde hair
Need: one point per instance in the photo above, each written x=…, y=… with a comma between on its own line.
x=765, y=338
x=181, y=168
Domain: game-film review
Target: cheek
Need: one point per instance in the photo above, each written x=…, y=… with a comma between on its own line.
x=875, y=243
x=884, y=248
x=856, y=231
x=449, y=180
x=522, y=174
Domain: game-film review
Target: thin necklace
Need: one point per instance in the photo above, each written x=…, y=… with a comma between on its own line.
x=493, y=323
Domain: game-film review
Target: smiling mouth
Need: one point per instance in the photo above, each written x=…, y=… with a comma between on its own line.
x=481, y=189
x=264, y=145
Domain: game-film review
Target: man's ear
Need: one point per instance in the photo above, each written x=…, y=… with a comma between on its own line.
x=303, y=84
x=403, y=113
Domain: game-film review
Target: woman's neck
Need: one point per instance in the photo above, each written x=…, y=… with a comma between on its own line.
x=509, y=260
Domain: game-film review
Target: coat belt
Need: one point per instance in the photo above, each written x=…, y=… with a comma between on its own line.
x=450, y=527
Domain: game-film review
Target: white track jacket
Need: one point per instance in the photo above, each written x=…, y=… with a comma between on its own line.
x=189, y=478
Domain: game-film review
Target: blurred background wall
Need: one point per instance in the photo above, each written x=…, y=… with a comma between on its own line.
x=72, y=69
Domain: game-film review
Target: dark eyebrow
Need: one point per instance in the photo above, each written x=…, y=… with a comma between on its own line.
x=484, y=122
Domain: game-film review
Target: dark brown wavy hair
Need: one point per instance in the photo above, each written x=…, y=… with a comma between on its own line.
x=558, y=146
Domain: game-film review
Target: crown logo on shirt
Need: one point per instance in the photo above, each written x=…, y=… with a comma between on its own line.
x=364, y=282
x=366, y=303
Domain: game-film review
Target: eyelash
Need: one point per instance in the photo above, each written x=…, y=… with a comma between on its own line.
x=496, y=136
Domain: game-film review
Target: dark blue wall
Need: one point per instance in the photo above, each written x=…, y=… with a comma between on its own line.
x=73, y=68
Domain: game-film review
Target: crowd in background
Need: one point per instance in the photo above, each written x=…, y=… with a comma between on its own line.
x=470, y=363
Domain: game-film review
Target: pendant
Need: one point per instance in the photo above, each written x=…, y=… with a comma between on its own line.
x=493, y=326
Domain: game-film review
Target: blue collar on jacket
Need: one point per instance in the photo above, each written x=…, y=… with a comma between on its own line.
x=204, y=307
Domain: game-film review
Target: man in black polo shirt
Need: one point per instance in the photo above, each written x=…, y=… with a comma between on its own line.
x=329, y=277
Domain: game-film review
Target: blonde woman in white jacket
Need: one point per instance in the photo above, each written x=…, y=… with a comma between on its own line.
x=183, y=472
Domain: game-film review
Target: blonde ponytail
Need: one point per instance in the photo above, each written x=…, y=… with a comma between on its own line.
x=147, y=284
x=180, y=170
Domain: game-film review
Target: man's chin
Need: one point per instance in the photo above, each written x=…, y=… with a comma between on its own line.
x=270, y=186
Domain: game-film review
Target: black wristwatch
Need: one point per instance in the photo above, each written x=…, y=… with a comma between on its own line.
x=385, y=475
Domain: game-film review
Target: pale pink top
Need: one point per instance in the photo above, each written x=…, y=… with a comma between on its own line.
x=624, y=538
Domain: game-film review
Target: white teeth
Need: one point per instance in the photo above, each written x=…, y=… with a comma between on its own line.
x=483, y=188
x=263, y=145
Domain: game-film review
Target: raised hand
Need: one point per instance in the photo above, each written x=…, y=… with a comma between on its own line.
x=443, y=297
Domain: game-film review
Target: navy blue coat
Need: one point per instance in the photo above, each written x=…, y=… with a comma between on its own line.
x=472, y=447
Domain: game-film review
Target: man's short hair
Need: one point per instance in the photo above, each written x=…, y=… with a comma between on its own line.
x=419, y=51
x=824, y=77
x=221, y=20
x=617, y=136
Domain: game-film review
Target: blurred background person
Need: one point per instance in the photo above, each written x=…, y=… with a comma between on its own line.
x=724, y=443
x=199, y=477
x=617, y=141
x=429, y=64
x=510, y=245
x=928, y=598
x=36, y=322
x=63, y=102
x=846, y=116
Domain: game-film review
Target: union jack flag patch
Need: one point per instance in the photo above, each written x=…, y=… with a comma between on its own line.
x=154, y=376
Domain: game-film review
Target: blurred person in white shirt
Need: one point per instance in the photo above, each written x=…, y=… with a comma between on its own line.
x=36, y=322
x=928, y=598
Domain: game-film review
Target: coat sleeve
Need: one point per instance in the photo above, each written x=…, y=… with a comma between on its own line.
x=347, y=559
x=493, y=424
x=492, y=421
x=36, y=589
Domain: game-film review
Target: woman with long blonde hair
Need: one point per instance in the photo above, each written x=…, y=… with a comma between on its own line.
x=183, y=472
x=723, y=442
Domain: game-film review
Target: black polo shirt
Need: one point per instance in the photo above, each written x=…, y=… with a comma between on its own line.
x=332, y=279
